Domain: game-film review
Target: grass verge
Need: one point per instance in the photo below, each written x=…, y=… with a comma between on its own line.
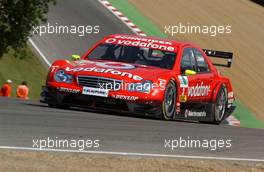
x=245, y=117
x=29, y=69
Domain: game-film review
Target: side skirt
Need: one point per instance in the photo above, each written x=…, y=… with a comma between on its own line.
x=195, y=112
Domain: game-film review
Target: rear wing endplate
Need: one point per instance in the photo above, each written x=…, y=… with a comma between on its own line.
x=220, y=54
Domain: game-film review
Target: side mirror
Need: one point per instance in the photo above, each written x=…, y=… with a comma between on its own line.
x=189, y=72
x=75, y=57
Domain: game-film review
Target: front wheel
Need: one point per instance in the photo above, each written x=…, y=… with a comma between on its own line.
x=169, y=101
x=219, y=107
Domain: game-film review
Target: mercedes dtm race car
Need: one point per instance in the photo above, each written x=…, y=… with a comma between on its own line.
x=146, y=75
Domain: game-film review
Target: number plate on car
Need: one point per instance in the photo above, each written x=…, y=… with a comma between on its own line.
x=95, y=91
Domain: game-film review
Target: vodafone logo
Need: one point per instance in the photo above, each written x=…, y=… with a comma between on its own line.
x=111, y=65
x=110, y=40
x=115, y=65
x=140, y=43
x=106, y=67
x=199, y=90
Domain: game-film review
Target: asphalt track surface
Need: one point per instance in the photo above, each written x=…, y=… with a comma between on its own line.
x=21, y=122
x=81, y=13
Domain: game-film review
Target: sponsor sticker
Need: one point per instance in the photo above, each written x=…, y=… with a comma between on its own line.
x=53, y=68
x=230, y=101
x=68, y=90
x=142, y=42
x=178, y=108
x=199, y=90
x=112, y=65
x=95, y=92
x=124, y=97
x=189, y=113
x=183, y=98
x=105, y=70
x=230, y=94
x=183, y=81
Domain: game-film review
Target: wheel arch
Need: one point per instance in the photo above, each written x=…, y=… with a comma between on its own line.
x=216, y=89
x=177, y=91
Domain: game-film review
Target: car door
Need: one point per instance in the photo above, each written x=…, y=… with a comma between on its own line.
x=190, y=82
x=203, y=75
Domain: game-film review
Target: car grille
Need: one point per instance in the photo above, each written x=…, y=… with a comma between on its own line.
x=99, y=82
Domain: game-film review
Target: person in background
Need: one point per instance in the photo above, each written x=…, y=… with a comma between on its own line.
x=22, y=91
x=6, y=89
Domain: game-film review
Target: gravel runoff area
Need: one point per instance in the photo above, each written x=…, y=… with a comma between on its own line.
x=31, y=161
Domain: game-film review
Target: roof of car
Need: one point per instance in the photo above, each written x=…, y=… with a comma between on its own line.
x=173, y=42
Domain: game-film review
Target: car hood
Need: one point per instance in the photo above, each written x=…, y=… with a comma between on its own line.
x=115, y=70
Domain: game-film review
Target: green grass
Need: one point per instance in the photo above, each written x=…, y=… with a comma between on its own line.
x=29, y=69
x=138, y=18
x=245, y=117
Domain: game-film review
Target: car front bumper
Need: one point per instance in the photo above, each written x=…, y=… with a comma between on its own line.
x=70, y=97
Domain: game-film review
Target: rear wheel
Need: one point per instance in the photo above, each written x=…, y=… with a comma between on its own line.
x=219, y=108
x=169, y=101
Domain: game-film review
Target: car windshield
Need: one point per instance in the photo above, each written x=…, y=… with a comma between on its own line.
x=133, y=55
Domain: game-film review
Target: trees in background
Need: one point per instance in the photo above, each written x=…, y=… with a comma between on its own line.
x=17, y=18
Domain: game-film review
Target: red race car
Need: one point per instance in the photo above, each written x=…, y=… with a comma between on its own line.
x=146, y=75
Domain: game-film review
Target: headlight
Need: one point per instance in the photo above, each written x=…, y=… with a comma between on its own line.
x=60, y=76
x=143, y=87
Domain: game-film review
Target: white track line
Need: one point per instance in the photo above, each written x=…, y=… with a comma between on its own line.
x=133, y=154
x=40, y=53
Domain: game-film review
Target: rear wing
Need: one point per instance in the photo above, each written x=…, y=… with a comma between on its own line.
x=220, y=54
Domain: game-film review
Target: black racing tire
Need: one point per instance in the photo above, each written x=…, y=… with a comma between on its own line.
x=220, y=105
x=169, y=101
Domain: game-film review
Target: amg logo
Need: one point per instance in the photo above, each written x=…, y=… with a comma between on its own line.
x=198, y=90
